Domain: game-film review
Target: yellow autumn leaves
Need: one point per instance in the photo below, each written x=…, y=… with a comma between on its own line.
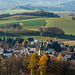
x=47, y=39
x=37, y=60
x=42, y=64
x=59, y=57
x=37, y=64
x=21, y=24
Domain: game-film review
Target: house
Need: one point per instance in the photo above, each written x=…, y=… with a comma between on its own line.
x=1, y=50
x=50, y=51
x=6, y=53
x=68, y=57
x=31, y=50
x=17, y=46
x=30, y=39
x=49, y=42
x=36, y=41
x=4, y=45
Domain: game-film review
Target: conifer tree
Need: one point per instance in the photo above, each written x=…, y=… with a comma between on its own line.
x=59, y=57
x=33, y=63
x=42, y=64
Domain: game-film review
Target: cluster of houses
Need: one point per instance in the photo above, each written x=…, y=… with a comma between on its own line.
x=38, y=47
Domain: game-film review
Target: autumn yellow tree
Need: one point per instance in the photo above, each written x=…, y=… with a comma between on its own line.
x=21, y=24
x=33, y=63
x=59, y=57
x=23, y=43
x=47, y=39
x=55, y=38
x=42, y=64
x=1, y=59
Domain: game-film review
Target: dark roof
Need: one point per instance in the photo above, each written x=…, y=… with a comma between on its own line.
x=30, y=39
x=67, y=45
x=31, y=51
x=5, y=51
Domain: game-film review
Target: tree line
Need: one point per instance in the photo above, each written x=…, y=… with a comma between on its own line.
x=42, y=31
x=73, y=17
x=36, y=13
x=4, y=15
x=39, y=13
x=51, y=31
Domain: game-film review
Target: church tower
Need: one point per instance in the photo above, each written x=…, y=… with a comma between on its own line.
x=42, y=49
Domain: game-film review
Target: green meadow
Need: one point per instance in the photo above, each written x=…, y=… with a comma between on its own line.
x=34, y=24
x=65, y=23
x=18, y=10
x=14, y=11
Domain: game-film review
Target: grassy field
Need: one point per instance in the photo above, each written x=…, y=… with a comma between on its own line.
x=28, y=23
x=24, y=10
x=14, y=11
x=40, y=38
x=59, y=12
x=66, y=24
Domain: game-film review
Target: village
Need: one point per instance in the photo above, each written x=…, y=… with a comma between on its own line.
x=21, y=47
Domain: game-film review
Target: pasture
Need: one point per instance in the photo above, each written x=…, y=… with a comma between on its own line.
x=65, y=23
x=14, y=11
x=32, y=23
x=18, y=10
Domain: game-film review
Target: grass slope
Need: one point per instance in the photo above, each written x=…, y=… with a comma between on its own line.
x=28, y=23
x=18, y=10
x=59, y=12
x=66, y=24
x=14, y=11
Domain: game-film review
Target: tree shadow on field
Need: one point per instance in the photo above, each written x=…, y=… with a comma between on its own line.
x=66, y=37
x=2, y=34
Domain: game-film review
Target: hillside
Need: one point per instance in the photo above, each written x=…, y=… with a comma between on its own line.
x=14, y=11
x=66, y=24
x=30, y=22
x=69, y=6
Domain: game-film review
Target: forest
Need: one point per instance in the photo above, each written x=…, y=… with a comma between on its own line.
x=35, y=65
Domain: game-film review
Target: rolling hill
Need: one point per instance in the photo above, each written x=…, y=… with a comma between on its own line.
x=66, y=24
x=69, y=6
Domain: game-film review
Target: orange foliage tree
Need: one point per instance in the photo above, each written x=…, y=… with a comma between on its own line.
x=42, y=64
x=59, y=57
x=33, y=63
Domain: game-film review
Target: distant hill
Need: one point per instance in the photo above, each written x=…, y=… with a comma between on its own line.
x=69, y=6
x=39, y=13
x=6, y=4
x=32, y=7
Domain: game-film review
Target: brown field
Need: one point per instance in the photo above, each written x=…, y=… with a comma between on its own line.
x=71, y=42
